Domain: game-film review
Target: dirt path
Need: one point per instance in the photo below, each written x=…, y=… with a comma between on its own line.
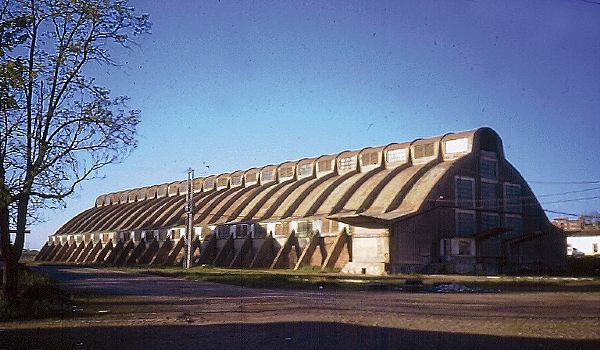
x=150, y=312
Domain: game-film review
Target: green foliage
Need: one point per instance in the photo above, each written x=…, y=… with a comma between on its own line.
x=37, y=298
x=58, y=128
x=12, y=33
x=584, y=266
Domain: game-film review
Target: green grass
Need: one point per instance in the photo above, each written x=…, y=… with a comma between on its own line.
x=245, y=278
x=309, y=278
x=37, y=298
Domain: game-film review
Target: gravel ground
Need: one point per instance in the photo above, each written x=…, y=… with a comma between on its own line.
x=151, y=312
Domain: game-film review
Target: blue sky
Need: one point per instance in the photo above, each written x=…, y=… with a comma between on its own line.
x=234, y=85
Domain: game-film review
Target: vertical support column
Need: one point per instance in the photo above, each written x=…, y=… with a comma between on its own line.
x=341, y=241
x=282, y=256
x=190, y=217
x=307, y=253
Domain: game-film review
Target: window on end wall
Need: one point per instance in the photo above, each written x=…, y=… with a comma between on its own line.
x=488, y=195
x=465, y=223
x=488, y=168
x=489, y=221
x=515, y=224
x=465, y=191
x=512, y=198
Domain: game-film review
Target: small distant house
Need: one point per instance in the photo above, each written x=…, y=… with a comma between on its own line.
x=583, y=236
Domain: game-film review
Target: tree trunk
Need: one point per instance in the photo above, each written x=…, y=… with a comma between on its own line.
x=10, y=278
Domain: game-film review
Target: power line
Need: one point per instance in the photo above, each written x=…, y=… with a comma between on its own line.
x=590, y=2
x=571, y=214
x=591, y=182
x=568, y=192
x=573, y=200
x=582, y=182
x=525, y=199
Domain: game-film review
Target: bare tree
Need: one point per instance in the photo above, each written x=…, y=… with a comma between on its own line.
x=592, y=217
x=58, y=128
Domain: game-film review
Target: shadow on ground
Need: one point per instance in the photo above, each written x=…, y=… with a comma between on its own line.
x=284, y=335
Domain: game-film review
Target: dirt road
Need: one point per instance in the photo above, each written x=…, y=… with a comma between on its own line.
x=150, y=312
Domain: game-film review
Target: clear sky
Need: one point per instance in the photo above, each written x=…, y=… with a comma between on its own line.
x=233, y=85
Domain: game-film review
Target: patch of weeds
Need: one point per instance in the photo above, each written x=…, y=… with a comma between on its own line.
x=309, y=269
x=313, y=277
x=37, y=298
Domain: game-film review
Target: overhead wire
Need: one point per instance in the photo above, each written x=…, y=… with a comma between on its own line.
x=504, y=199
x=572, y=200
x=571, y=214
x=568, y=192
x=544, y=182
x=592, y=182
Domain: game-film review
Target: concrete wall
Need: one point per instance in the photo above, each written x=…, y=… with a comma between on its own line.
x=370, y=252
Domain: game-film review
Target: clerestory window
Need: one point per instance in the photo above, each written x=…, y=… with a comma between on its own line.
x=347, y=163
x=424, y=150
x=396, y=155
x=369, y=158
x=305, y=169
x=324, y=165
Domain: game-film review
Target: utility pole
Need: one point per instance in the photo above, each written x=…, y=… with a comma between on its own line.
x=189, y=208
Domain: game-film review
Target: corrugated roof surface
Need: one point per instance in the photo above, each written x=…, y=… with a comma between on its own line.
x=385, y=192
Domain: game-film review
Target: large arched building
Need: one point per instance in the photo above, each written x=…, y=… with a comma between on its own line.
x=445, y=204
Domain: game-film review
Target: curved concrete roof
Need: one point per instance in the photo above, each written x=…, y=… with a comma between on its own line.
x=380, y=190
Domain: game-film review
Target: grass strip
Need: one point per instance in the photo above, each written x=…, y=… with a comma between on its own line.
x=411, y=282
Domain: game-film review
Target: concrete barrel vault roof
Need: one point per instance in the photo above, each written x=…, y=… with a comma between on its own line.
x=378, y=183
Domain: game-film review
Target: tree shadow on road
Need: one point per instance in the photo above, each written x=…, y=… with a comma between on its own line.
x=280, y=335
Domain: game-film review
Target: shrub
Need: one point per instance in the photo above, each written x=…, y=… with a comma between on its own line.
x=584, y=266
x=37, y=298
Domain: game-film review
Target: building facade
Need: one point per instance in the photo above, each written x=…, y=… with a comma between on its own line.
x=583, y=236
x=451, y=203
